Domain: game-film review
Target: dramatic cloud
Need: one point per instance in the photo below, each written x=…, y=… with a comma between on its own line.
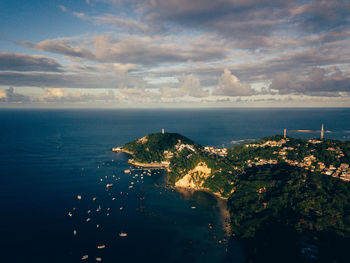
x=22, y=62
x=187, y=51
x=230, y=85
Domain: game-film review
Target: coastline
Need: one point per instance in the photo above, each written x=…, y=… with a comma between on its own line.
x=163, y=166
x=148, y=165
x=121, y=150
x=221, y=201
x=225, y=218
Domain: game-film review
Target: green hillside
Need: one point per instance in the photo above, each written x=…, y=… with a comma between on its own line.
x=151, y=148
x=278, y=188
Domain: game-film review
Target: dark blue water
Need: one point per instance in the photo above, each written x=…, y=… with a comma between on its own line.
x=49, y=157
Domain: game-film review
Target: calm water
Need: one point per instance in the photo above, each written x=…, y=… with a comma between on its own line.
x=47, y=158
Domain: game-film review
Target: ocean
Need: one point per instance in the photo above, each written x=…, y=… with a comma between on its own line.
x=50, y=157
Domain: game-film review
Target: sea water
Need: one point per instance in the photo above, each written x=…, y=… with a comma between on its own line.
x=49, y=157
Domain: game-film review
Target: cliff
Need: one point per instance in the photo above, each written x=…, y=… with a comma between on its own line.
x=195, y=178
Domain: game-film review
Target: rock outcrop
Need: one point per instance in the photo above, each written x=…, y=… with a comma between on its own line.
x=195, y=178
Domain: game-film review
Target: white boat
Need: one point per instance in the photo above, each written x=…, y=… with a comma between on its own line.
x=79, y=197
x=85, y=257
x=127, y=171
x=123, y=234
x=101, y=246
x=99, y=259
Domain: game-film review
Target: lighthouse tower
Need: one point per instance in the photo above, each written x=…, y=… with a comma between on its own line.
x=322, y=132
x=162, y=131
x=285, y=133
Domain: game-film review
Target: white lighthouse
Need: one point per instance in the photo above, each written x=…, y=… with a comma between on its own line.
x=322, y=132
x=162, y=130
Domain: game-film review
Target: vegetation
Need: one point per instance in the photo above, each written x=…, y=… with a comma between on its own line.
x=292, y=210
x=152, y=147
x=283, y=213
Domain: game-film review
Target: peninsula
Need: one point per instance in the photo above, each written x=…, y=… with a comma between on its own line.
x=278, y=188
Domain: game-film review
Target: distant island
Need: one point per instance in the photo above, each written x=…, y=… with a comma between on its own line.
x=288, y=198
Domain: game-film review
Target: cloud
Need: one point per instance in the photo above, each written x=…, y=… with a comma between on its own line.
x=192, y=87
x=55, y=93
x=319, y=82
x=22, y=62
x=118, y=23
x=198, y=50
x=189, y=85
x=130, y=49
x=230, y=85
x=321, y=15
x=60, y=95
x=3, y=95
x=61, y=46
x=249, y=24
x=9, y=95
x=40, y=79
x=62, y=7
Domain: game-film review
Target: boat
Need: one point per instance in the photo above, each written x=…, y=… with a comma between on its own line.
x=101, y=246
x=127, y=171
x=79, y=197
x=123, y=234
x=99, y=259
x=85, y=257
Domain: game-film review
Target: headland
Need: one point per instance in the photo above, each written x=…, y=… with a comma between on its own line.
x=279, y=187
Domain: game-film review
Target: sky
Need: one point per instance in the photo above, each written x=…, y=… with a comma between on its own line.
x=174, y=53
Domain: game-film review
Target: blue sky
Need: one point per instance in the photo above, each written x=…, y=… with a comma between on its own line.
x=174, y=53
